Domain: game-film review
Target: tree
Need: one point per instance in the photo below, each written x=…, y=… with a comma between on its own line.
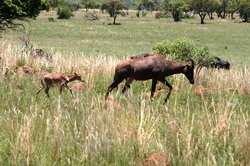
x=212, y=8
x=232, y=8
x=224, y=4
x=202, y=7
x=54, y=3
x=12, y=10
x=146, y=4
x=177, y=7
x=90, y=4
x=183, y=49
x=114, y=8
x=244, y=9
x=165, y=5
x=226, y=7
x=64, y=12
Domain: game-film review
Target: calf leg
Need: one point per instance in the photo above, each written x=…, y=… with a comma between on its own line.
x=61, y=87
x=39, y=90
x=170, y=88
x=47, y=91
x=65, y=85
x=69, y=89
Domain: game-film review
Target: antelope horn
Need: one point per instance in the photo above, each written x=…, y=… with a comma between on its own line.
x=191, y=60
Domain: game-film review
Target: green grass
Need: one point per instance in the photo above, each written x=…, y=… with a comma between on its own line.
x=202, y=124
x=225, y=38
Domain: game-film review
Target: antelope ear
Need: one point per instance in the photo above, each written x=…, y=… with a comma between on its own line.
x=190, y=65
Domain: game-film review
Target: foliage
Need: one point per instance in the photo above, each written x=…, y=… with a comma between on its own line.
x=91, y=4
x=149, y=5
x=225, y=7
x=64, y=12
x=10, y=11
x=232, y=7
x=244, y=9
x=114, y=8
x=200, y=6
x=73, y=4
x=177, y=7
x=181, y=49
x=54, y=3
x=213, y=5
x=45, y=5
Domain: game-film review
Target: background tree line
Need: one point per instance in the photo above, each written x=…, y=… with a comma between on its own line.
x=12, y=10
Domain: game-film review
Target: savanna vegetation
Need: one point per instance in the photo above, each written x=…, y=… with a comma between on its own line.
x=202, y=124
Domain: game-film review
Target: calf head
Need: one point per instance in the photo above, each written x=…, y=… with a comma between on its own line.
x=78, y=77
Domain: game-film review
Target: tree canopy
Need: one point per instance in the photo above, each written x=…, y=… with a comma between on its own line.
x=177, y=7
x=12, y=10
x=244, y=9
x=114, y=8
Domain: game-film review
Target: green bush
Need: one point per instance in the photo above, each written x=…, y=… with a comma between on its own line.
x=64, y=12
x=181, y=49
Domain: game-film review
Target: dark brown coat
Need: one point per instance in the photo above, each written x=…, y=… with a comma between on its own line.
x=153, y=67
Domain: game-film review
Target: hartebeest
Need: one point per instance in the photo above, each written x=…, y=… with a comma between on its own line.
x=153, y=67
x=219, y=63
x=51, y=79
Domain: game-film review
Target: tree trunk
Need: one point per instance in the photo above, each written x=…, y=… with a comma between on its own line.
x=219, y=14
x=245, y=17
x=114, y=19
x=202, y=16
x=232, y=15
x=210, y=15
x=176, y=16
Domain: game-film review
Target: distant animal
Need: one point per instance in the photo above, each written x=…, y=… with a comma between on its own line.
x=158, y=15
x=153, y=67
x=214, y=63
x=220, y=63
x=41, y=54
x=134, y=56
x=61, y=79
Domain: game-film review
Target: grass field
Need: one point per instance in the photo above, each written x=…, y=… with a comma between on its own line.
x=207, y=123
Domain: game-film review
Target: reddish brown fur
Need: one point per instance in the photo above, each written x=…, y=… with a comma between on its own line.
x=153, y=67
x=60, y=79
x=156, y=159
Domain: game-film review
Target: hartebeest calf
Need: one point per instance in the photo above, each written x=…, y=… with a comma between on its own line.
x=153, y=67
x=52, y=79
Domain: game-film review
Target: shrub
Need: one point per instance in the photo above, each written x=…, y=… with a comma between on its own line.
x=64, y=12
x=181, y=49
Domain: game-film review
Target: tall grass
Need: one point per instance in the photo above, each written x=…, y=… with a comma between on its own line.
x=202, y=124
